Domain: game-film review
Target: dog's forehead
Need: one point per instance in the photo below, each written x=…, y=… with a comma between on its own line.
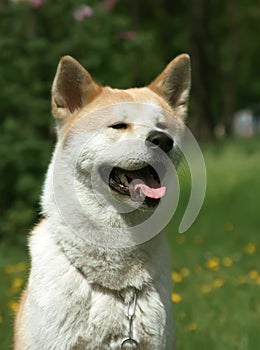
x=138, y=113
x=139, y=106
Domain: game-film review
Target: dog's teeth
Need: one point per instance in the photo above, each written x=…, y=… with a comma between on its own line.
x=123, y=179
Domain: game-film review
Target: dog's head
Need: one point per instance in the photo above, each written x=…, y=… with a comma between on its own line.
x=126, y=136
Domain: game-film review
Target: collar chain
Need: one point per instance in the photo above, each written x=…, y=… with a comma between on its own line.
x=129, y=342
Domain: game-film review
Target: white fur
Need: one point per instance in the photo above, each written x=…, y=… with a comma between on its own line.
x=64, y=311
x=78, y=290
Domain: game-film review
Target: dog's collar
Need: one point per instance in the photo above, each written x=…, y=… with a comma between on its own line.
x=130, y=313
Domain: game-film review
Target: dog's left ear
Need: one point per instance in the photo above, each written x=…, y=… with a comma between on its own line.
x=173, y=84
x=72, y=89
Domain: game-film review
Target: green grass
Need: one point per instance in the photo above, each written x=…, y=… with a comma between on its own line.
x=13, y=274
x=220, y=298
x=216, y=279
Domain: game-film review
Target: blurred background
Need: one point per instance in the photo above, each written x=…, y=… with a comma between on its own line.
x=123, y=43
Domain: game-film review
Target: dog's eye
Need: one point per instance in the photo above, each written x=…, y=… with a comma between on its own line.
x=161, y=126
x=119, y=126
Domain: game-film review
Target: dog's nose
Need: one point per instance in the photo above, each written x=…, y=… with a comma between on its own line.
x=159, y=139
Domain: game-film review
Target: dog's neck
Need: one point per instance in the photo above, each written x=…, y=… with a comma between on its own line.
x=115, y=269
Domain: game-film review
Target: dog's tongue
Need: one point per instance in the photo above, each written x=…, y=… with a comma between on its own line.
x=143, y=180
x=151, y=192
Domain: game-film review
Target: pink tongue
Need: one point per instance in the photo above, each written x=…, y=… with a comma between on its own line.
x=150, y=191
x=144, y=185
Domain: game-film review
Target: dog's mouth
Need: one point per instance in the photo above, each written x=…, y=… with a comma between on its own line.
x=142, y=185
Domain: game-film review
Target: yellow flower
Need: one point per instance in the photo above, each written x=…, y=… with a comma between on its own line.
x=16, y=286
x=9, y=268
x=181, y=239
x=213, y=263
x=185, y=271
x=253, y=274
x=217, y=283
x=192, y=326
x=176, y=298
x=227, y=262
x=250, y=248
x=258, y=280
x=1, y=319
x=176, y=277
x=242, y=280
x=13, y=305
x=199, y=240
x=229, y=226
x=17, y=283
x=19, y=267
x=206, y=288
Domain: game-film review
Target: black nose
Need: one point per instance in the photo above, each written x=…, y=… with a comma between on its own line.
x=159, y=139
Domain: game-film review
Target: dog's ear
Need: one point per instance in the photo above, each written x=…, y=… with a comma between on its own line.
x=173, y=84
x=72, y=89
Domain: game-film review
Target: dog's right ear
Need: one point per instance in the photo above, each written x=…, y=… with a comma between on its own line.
x=72, y=89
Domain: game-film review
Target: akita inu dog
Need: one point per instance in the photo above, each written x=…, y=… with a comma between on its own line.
x=100, y=274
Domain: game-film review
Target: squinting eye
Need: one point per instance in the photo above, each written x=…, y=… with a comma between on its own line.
x=119, y=126
x=161, y=126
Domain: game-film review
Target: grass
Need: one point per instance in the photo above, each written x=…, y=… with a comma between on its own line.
x=13, y=273
x=216, y=266
x=216, y=279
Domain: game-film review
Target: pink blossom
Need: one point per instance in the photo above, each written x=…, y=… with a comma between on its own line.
x=36, y=3
x=130, y=35
x=83, y=12
x=108, y=5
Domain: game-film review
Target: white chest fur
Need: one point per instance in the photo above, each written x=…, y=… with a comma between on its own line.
x=64, y=311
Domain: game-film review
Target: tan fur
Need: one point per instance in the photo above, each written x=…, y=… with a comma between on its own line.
x=20, y=323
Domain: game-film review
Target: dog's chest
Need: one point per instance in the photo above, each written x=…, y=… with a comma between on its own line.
x=65, y=312
x=103, y=322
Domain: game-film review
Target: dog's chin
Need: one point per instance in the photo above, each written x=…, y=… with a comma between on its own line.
x=140, y=186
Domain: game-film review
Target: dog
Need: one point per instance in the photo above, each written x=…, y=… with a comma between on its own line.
x=100, y=275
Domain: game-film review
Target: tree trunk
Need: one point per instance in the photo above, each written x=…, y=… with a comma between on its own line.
x=230, y=77
x=202, y=120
